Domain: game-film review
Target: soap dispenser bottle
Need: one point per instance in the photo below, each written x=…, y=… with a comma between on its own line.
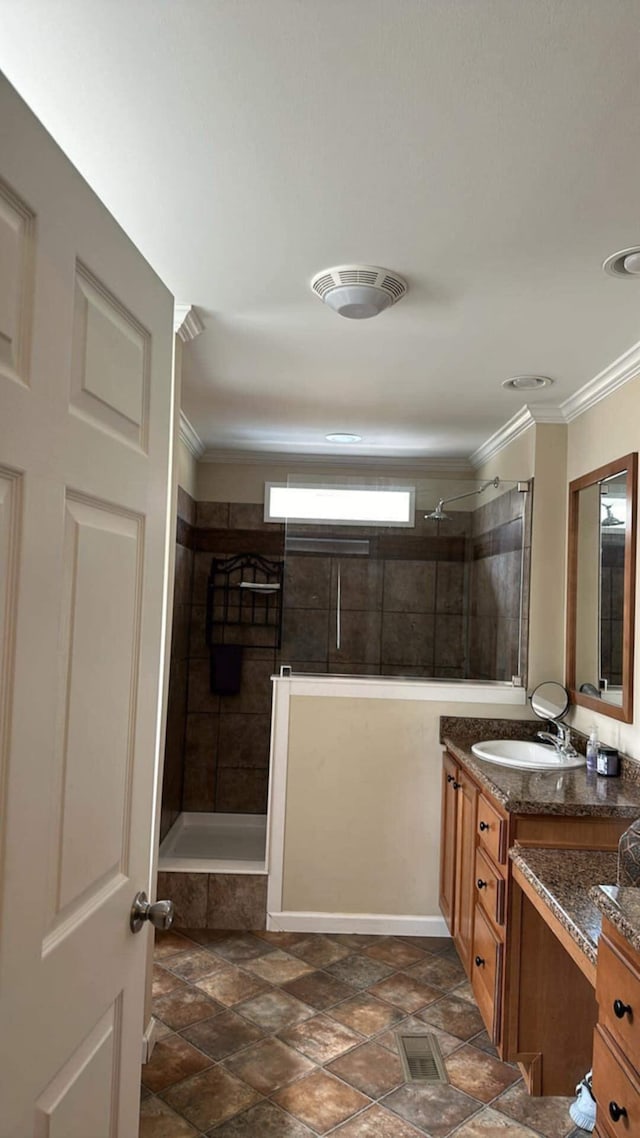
x=592, y=750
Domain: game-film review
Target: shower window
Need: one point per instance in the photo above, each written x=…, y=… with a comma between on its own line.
x=324, y=504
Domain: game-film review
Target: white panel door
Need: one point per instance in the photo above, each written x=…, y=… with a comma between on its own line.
x=86, y=406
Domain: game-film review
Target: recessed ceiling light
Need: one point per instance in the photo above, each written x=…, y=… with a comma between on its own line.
x=527, y=382
x=340, y=437
x=626, y=263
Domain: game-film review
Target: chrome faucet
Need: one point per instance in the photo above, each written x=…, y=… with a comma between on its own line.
x=561, y=741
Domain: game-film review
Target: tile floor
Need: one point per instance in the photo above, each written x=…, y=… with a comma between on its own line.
x=288, y=1035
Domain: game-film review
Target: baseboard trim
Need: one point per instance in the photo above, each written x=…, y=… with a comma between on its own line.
x=383, y=924
x=150, y=1038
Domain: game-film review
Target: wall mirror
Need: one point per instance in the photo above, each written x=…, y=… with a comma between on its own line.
x=601, y=588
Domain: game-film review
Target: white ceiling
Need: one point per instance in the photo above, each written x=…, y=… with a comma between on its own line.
x=486, y=150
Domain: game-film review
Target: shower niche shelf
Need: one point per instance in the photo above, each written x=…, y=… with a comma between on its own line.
x=245, y=593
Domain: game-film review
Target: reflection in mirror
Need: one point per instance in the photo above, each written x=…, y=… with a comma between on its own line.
x=601, y=588
x=549, y=700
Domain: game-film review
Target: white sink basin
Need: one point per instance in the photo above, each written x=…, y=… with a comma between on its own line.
x=525, y=755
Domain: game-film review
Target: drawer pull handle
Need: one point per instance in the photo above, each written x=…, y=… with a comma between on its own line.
x=449, y=778
x=456, y=786
x=484, y=826
x=479, y=962
x=621, y=1010
x=481, y=884
x=617, y=1112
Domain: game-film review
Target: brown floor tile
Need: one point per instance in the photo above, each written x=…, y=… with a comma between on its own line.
x=184, y=1007
x=355, y=941
x=274, y=1010
x=210, y=1097
x=223, y=1035
x=458, y=1017
x=157, y=1120
x=206, y=937
x=377, y=1122
x=279, y=967
x=265, y=1120
x=269, y=1065
x=491, y=1124
x=484, y=1043
x=549, y=1115
x=320, y=1101
x=413, y=1026
x=433, y=1107
x=164, y=982
x=173, y=1059
x=192, y=965
x=319, y=990
x=479, y=1074
x=280, y=939
x=366, y=1014
x=230, y=985
x=167, y=944
x=238, y=947
x=464, y=991
x=370, y=1068
x=440, y=971
x=319, y=950
x=428, y=943
x=321, y=1038
x=359, y=971
x=395, y=952
x=405, y=992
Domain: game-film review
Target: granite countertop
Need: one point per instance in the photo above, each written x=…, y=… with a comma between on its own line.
x=572, y=792
x=563, y=878
x=621, y=905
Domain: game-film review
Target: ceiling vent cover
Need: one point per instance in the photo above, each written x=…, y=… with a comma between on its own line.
x=358, y=291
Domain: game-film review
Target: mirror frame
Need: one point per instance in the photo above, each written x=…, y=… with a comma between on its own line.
x=628, y=463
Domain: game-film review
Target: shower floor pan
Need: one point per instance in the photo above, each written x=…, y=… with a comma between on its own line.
x=215, y=843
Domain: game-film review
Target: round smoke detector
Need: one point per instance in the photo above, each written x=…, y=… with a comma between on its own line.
x=626, y=263
x=358, y=291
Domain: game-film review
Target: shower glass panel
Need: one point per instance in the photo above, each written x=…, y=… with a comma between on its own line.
x=440, y=597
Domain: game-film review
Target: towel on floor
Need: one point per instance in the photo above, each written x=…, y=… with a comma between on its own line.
x=226, y=668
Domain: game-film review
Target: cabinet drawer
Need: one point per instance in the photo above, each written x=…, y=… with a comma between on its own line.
x=618, y=996
x=492, y=831
x=489, y=888
x=486, y=964
x=615, y=1087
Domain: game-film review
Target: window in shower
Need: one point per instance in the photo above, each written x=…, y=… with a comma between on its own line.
x=323, y=504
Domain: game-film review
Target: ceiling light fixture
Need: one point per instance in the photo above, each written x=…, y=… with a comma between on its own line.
x=358, y=291
x=625, y=263
x=342, y=437
x=527, y=382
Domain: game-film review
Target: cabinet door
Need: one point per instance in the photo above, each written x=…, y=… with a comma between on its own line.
x=448, y=841
x=466, y=798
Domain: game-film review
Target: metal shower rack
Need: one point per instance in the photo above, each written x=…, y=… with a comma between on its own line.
x=245, y=591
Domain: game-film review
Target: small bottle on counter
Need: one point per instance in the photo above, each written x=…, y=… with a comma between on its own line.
x=592, y=750
x=608, y=761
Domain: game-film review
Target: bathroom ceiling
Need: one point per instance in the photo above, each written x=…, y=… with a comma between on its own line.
x=486, y=150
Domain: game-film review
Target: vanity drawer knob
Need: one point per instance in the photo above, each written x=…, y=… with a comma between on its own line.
x=484, y=826
x=617, y=1112
x=479, y=962
x=456, y=786
x=620, y=1010
x=481, y=884
x=449, y=778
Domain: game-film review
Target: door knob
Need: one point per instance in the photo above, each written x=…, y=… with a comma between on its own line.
x=159, y=914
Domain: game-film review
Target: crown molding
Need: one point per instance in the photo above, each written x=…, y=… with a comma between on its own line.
x=626, y=367
x=512, y=429
x=385, y=462
x=186, y=322
x=190, y=437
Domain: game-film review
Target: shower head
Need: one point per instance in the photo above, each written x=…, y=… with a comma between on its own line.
x=439, y=515
x=610, y=519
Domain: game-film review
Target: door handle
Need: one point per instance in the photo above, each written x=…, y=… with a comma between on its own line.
x=160, y=914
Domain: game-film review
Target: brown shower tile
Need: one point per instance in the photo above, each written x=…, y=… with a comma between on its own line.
x=433, y=1107
x=413, y=1026
x=243, y=740
x=548, y=1115
x=274, y=1010
x=201, y=698
x=320, y=1101
x=199, y=788
x=395, y=952
x=306, y=582
x=443, y=973
x=458, y=1017
x=319, y=950
x=265, y=1120
x=366, y=1014
x=359, y=639
x=230, y=985
x=157, y=1120
x=407, y=638
x=405, y=992
x=478, y=1074
x=192, y=965
x=212, y=515
x=184, y=1007
x=164, y=982
x=370, y=1068
x=377, y=1122
x=222, y=1035
x=269, y=1065
x=359, y=971
x=321, y=1038
x=279, y=967
x=450, y=587
x=360, y=584
x=211, y=1097
x=238, y=947
x=305, y=634
x=201, y=740
x=188, y=891
x=490, y=1123
x=167, y=944
x=242, y=791
x=173, y=1059
x=237, y=901
x=254, y=696
x=319, y=990
x=409, y=586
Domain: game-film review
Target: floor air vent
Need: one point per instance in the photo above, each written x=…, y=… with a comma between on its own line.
x=421, y=1058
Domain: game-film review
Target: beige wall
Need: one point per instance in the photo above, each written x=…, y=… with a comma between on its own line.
x=186, y=468
x=548, y=553
x=362, y=826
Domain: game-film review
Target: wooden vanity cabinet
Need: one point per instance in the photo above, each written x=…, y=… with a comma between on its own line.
x=457, y=853
x=448, y=834
x=616, y=1049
